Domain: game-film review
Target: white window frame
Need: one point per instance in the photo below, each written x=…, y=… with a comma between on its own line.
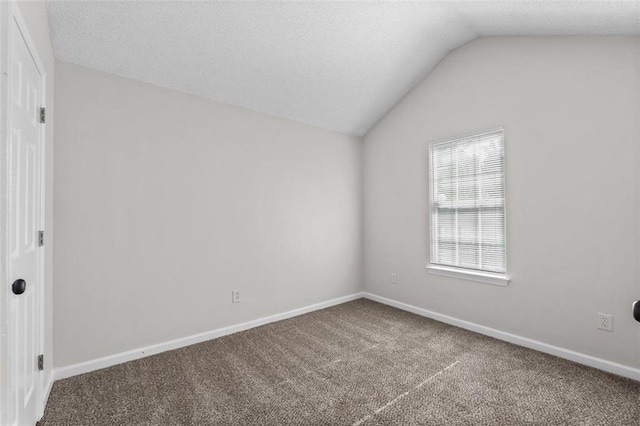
x=500, y=279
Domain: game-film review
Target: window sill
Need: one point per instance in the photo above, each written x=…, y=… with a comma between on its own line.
x=483, y=277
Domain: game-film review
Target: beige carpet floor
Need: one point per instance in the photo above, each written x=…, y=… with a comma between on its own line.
x=360, y=363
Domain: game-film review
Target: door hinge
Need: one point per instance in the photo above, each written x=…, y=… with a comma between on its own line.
x=40, y=238
x=43, y=115
x=40, y=362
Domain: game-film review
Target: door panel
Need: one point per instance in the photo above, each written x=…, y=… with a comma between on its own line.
x=25, y=99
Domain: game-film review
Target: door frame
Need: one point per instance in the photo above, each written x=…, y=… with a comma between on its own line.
x=10, y=13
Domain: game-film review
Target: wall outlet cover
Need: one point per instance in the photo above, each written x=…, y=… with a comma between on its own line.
x=605, y=321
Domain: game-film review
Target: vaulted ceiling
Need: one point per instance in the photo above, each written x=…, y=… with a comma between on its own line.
x=336, y=65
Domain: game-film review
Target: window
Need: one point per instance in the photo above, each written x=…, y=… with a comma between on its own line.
x=467, y=208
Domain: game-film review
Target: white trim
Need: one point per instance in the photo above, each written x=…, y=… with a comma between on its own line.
x=45, y=394
x=110, y=360
x=591, y=361
x=465, y=274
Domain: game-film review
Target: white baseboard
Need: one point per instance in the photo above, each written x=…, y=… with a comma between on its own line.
x=108, y=361
x=591, y=361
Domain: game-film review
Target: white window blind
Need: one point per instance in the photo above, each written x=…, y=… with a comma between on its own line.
x=467, y=203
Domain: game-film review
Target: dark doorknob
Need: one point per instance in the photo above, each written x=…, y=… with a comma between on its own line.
x=19, y=286
x=636, y=310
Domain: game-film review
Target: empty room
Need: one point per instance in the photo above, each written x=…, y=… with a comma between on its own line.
x=320, y=212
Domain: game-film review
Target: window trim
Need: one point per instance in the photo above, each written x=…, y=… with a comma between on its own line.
x=468, y=274
x=500, y=279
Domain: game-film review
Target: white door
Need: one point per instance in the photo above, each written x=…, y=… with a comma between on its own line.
x=25, y=151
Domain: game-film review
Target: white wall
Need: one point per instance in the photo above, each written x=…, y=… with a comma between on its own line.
x=570, y=109
x=165, y=202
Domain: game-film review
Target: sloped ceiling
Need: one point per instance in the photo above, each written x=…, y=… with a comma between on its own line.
x=336, y=65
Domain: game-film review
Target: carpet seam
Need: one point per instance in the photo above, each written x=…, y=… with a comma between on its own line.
x=402, y=395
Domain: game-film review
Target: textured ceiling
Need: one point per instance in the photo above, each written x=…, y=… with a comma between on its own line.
x=337, y=65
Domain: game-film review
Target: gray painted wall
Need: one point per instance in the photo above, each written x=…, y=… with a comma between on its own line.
x=165, y=202
x=570, y=109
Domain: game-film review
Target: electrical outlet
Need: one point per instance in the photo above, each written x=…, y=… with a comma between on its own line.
x=394, y=278
x=605, y=321
x=235, y=296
